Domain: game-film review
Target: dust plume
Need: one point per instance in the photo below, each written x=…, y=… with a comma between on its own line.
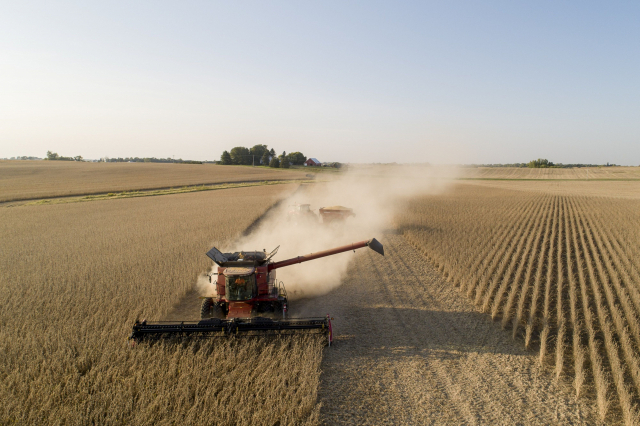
x=204, y=286
x=375, y=193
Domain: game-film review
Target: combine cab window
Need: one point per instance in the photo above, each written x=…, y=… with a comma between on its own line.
x=241, y=287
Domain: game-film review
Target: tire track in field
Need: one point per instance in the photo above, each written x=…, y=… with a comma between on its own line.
x=410, y=349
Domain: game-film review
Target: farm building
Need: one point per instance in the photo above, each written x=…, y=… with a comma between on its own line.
x=312, y=162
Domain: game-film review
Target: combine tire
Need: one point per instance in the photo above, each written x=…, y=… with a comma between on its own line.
x=206, y=311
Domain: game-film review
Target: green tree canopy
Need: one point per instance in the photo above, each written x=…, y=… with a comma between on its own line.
x=540, y=163
x=284, y=160
x=225, y=158
x=55, y=156
x=258, y=151
x=297, y=158
x=274, y=162
x=240, y=155
x=266, y=157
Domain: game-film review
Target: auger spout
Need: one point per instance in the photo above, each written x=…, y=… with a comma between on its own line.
x=373, y=244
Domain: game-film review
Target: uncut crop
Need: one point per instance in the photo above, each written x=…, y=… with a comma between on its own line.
x=560, y=272
x=74, y=278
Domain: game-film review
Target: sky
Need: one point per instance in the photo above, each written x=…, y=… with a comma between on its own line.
x=438, y=82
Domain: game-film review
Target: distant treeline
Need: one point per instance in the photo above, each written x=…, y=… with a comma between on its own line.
x=261, y=155
x=23, y=157
x=149, y=160
x=53, y=156
x=541, y=163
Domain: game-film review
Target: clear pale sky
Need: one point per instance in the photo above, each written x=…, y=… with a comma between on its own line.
x=440, y=82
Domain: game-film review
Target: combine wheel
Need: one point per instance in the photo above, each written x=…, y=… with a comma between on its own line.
x=206, y=310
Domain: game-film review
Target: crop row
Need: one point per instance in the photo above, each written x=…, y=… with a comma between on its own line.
x=561, y=272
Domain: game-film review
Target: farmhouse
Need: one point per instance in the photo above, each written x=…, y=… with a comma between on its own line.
x=312, y=162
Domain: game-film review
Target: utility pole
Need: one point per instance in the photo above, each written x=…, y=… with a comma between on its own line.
x=253, y=164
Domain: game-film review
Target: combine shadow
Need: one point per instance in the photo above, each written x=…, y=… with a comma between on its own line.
x=390, y=332
x=186, y=309
x=385, y=332
x=391, y=231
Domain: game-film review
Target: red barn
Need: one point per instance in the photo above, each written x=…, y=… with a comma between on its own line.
x=312, y=162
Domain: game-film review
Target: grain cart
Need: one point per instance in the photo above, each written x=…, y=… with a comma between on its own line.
x=335, y=214
x=249, y=298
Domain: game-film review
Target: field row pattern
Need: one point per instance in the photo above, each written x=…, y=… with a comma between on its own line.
x=561, y=272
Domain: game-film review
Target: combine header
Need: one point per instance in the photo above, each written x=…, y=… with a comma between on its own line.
x=249, y=299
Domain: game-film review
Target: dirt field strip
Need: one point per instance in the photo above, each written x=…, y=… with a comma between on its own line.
x=602, y=188
x=28, y=180
x=410, y=349
x=577, y=173
x=151, y=193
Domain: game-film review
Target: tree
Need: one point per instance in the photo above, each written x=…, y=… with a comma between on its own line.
x=266, y=157
x=240, y=155
x=52, y=155
x=272, y=152
x=274, y=162
x=284, y=161
x=297, y=158
x=225, y=158
x=258, y=152
x=540, y=163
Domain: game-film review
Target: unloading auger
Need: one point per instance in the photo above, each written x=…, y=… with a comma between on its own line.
x=249, y=299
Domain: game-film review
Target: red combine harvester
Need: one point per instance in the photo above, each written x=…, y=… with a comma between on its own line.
x=248, y=298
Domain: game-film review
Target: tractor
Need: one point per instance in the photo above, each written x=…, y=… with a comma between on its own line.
x=301, y=214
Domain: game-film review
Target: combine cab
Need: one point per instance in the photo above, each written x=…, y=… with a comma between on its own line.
x=249, y=298
x=245, y=286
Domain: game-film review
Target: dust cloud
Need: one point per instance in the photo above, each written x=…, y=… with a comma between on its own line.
x=375, y=193
x=203, y=286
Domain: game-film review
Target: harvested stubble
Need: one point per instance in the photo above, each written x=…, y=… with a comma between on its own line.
x=74, y=279
x=563, y=272
x=617, y=173
x=602, y=188
x=27, y=180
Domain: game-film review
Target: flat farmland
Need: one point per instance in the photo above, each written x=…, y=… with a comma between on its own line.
x=515, y=304
x=28, y=180
x=74, y=278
